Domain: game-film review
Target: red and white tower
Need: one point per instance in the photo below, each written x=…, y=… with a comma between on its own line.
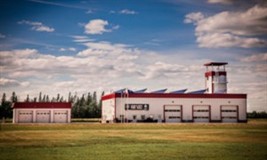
x=216, y=77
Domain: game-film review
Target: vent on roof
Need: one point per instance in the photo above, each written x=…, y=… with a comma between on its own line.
x=179, y=91
x=160, y=91
x=140, y=91
x=120, y=91
x=197, y=92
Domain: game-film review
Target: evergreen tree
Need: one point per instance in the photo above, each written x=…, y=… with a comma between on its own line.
x=100, y=105
x=44, y=98
x=88, y=99
x=27, y=99
x=47, y=98
x=40, y=97
x=14, y=98
x=3, y=100
x=61, y=99
x=58, y=97
x=69, y=97
x=5, y=108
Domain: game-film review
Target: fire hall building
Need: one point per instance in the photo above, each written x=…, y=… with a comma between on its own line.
x=212, y=104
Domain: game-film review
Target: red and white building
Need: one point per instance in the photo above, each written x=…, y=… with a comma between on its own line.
x=213, y=104
x=42, y=112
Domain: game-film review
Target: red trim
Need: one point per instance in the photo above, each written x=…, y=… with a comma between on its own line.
x=42, y=105
x=109, y=96
x=212, y=73
x=167, y=95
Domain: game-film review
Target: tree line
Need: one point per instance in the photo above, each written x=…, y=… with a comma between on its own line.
x=85, y=106
x=255, y=114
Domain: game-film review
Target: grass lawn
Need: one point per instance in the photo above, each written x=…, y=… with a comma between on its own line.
x=134, y=141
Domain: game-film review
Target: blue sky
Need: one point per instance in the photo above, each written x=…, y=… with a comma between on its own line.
x=80, y=46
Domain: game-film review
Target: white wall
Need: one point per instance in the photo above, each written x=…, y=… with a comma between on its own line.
x=156, y=107
x=108, y=110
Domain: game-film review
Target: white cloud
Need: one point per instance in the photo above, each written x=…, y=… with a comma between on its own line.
x=231, y=29
x=193, y=17
x=112, y=12
x=37, y=26
x=90, y=11
x=81, y=39
x=108, y=66
x=115, y=27
x=2, y=35
x=127, y=11
x=67, y=49
x=124, y=11
x=96, y=26
x=218, y=40
x=221, y=1
x=255, y=58
x=8, y=82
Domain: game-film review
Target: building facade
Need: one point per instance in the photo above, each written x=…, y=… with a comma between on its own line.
x=42, y=112
x=213, y=104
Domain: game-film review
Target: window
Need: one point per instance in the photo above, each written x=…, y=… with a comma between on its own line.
x=174, y=117
x=134, y=116
x=201, y=110
x=228, y=110
x=172, y=110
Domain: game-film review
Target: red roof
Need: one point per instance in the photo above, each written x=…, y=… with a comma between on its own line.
x=215, y=64
x=42, y=105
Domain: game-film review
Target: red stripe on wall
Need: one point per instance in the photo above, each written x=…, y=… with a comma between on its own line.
x=212, y=73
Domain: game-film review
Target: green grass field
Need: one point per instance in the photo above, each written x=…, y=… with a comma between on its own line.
x=134, y=141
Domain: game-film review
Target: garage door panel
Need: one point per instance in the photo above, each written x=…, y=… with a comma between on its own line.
x=229, y=113
x=25, y=116
x=61, y=116
x=173, y=113
x=232, y=114
x=201, y=113
x=42, y=116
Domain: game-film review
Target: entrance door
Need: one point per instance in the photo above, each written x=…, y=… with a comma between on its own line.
x=173, y=113
x=201, y=113
x=229, y=113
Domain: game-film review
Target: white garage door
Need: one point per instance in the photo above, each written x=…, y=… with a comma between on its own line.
x=201, y=113
x=61, y=116
x=173, y=113
x=229, y=113
x=25, y=116
x=42, y=116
